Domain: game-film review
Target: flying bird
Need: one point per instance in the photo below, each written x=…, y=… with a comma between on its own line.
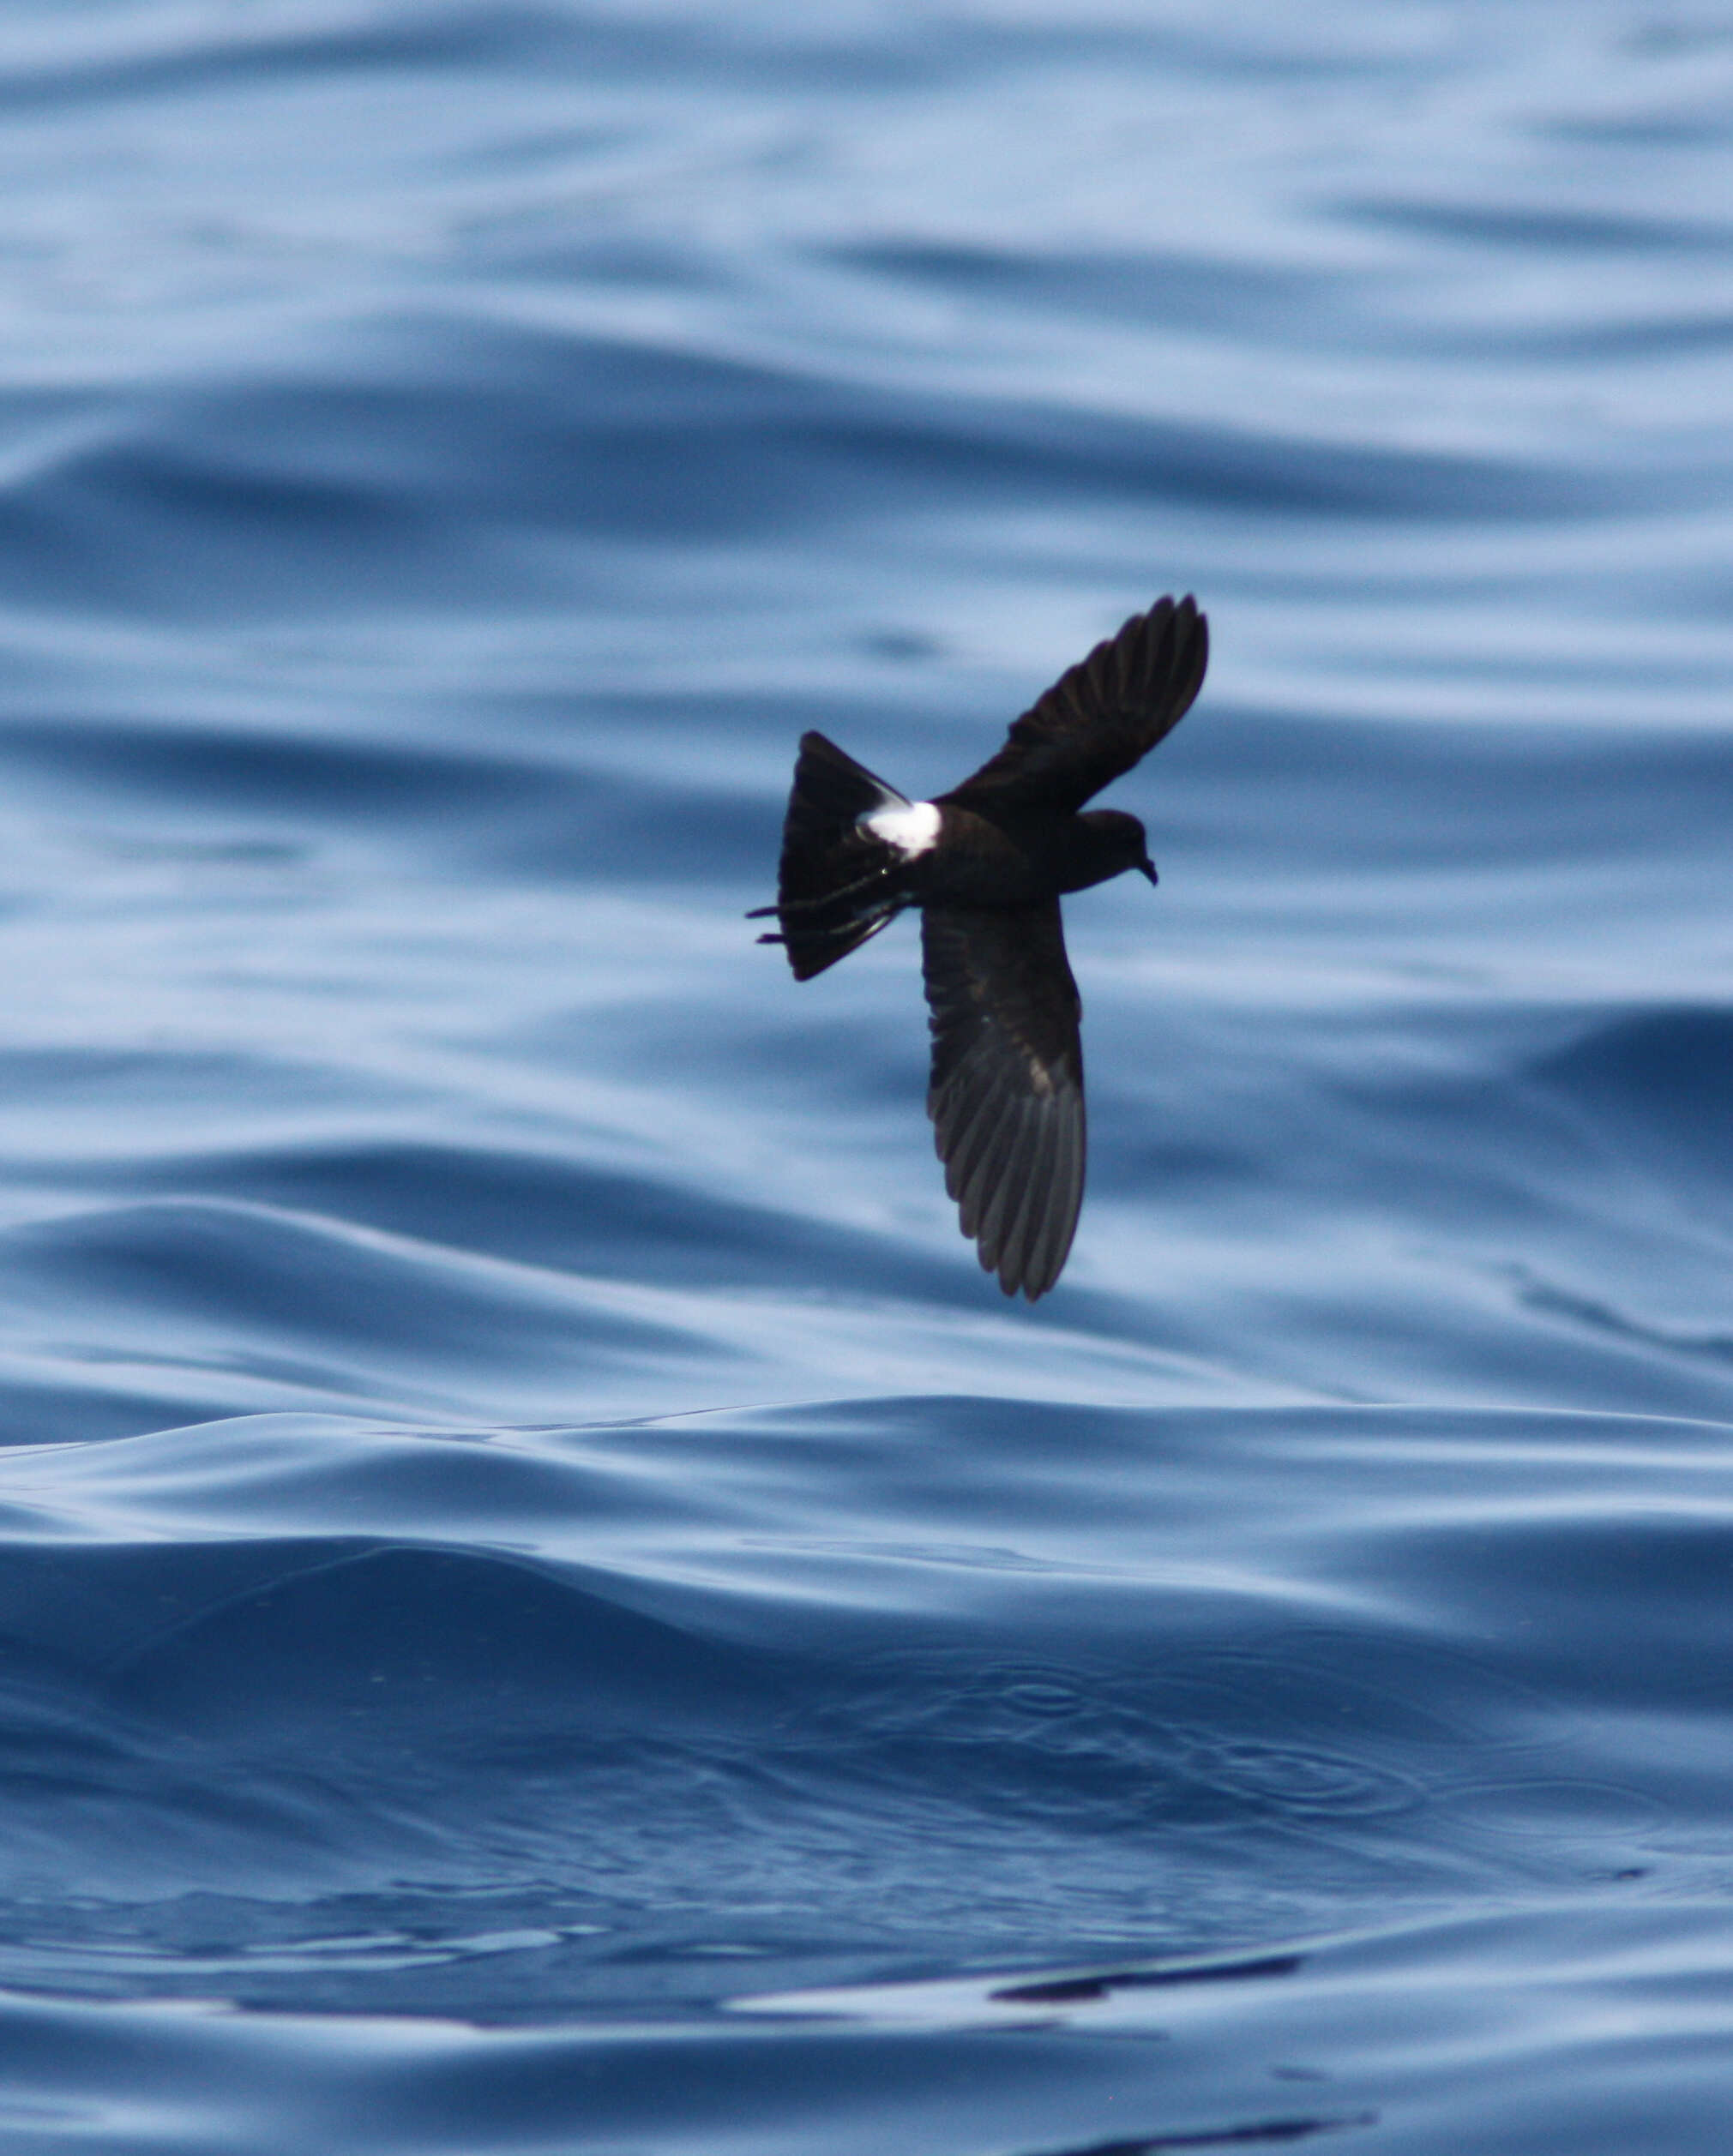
x=987, y=863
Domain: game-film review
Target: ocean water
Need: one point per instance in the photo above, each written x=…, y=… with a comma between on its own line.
x=548, y=1604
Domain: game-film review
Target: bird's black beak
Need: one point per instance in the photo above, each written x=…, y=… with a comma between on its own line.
x=1147, y=868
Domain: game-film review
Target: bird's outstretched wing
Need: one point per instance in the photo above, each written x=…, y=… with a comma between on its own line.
x=1007, y=1090
x=1099, y=718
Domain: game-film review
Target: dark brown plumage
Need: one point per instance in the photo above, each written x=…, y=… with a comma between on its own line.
x=987, y=863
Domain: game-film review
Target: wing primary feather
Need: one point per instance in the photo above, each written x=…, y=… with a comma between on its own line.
x=961, y=1126
x=967, y=1130
x=987, y=1166
x=1064, y=1195
x=1001, y=1193
x=1024, y=1216
x=1043, y=1272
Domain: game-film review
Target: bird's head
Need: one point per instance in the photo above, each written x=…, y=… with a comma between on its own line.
x=1104, y=843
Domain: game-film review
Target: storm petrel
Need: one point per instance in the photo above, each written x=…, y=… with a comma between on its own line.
x=986, y=863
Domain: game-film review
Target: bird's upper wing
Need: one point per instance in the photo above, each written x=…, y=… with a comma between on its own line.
x=1099, y=718
x=1007, y=1090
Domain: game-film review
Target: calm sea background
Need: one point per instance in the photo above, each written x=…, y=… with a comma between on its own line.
x=547, y=1603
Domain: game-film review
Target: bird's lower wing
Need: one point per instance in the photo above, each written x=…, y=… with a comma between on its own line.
x=1007, y=1091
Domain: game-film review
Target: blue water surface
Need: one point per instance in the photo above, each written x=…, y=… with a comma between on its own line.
x=548, y=1603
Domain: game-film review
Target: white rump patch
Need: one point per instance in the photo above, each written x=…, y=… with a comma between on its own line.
x=912, y=829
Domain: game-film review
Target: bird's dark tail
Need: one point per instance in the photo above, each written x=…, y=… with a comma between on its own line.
x=836, y=884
